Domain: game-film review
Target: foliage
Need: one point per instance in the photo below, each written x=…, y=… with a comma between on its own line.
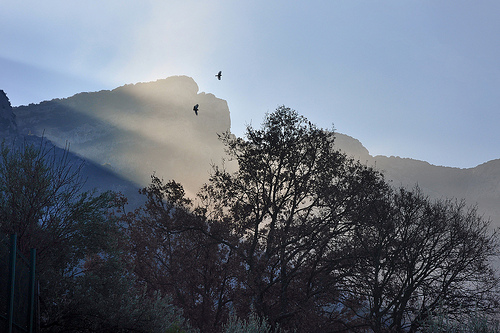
x=107, y=299
x=85, y=284
x=309, y=240
x=470, y=323
x=252, y=325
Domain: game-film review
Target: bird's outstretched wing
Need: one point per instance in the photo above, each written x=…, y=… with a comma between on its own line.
x=219, y=75
x=195, y=109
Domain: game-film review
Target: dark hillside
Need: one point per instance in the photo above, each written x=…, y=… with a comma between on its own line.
x=95, y=176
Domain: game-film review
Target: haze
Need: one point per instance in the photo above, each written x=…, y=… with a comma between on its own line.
x=417, y=79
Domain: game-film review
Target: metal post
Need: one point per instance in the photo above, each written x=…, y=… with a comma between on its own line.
x=12, y=280
x=31, y=312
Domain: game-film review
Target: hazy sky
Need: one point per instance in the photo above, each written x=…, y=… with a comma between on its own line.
x=417, y=79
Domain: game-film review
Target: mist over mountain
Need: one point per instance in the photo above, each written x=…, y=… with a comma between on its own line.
x=477, y=186
x=144, y=128
x=94, y=176
x=137, y=130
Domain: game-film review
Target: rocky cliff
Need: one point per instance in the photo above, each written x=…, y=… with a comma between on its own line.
x=145, y=128
x=8, y=126
x=139, y=129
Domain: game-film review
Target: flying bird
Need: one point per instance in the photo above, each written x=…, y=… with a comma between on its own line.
x=219, y=75
x=195, y=109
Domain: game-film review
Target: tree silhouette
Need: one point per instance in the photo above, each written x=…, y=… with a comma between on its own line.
x=416, y=256
x=309, y=240
x=85, y=283
x=176, y=252
x=289, y=204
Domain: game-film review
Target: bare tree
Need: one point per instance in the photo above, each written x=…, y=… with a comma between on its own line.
x=417, y=257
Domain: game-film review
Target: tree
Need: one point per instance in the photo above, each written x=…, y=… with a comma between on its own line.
x=417, y=257
x=268, y=238
x=79, y=243
x=174, y=255
x=42, y=202
x=253, y=325
x=108, y=298
x=309, y=240
x=289, y=206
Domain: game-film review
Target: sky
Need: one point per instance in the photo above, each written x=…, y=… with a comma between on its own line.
x=415, y=79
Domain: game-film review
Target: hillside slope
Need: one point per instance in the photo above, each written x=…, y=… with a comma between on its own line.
x=477, y=186
x=94, y=176
x=145, y=128
x=137, y=130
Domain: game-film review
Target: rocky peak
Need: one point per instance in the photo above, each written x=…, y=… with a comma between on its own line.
x=138, y=130
x=8, y=125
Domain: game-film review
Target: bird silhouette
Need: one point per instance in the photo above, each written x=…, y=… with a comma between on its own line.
x=219, y=75
x=195, y=109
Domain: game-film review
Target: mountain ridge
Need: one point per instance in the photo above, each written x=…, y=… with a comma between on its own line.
x=478, y=186
x=139, y=129
x=94, y=176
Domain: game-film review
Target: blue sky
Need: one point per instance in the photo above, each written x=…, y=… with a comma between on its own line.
x=417, y=79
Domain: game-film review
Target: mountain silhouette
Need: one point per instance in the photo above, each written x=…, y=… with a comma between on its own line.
x=8, y=125
x=94, y=176
x=139, y=129
x=477, y=186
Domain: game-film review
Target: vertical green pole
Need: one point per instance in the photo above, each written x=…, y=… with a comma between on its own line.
x=12, y=280
x=32, y=291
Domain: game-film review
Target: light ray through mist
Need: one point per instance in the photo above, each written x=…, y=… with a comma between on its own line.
x=410, y=79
